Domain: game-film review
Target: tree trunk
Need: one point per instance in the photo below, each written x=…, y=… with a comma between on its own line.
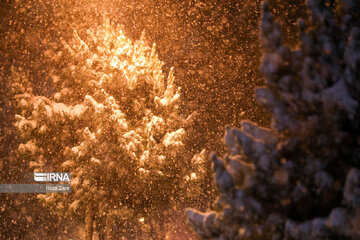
x=102, y=235
x=89, y=215
x=109, y=227
x=159, y=226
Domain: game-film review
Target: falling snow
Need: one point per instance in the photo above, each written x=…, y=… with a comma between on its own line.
x=131, y=97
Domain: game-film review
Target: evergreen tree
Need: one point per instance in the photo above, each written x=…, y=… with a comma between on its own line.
x=112, y=121
x=299, y=179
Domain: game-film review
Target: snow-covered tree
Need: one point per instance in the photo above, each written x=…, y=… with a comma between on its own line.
x=299, y=179
x=112, y=121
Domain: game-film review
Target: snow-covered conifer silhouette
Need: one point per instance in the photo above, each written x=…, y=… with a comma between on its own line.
x=299, y=179
x=112, y=120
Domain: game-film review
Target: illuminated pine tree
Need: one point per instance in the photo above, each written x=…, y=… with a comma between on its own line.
x=113, y=122
x=300, y=179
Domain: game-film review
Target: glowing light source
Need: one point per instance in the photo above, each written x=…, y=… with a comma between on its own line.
x=141, y=219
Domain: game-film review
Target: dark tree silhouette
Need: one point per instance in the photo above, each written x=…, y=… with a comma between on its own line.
x=299, y=179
